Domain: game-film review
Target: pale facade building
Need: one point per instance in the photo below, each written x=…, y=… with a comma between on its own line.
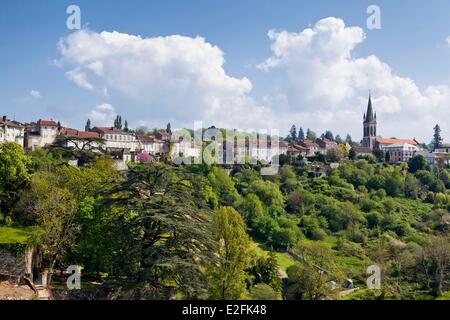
x=152, y=145
x=11, y=131
x=41, y=134
x=401, y=152
x=117, y=139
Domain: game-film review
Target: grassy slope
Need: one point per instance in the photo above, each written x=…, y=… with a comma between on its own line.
x=9, y=235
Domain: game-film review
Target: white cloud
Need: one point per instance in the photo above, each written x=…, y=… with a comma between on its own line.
x=35, y=94
x=448, y=41
x=160, y=79
x=317, y=82
x=321, y=80
x=80, y=78
x=102, y=115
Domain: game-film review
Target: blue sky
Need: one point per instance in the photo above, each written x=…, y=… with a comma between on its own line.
x=411, y=42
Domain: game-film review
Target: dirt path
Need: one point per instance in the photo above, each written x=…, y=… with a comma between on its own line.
x=8, y=291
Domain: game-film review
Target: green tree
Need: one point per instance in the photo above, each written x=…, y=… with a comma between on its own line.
x=352, y=154
x=223, y=185
x=265, y=270
x=437, y=138
x=87, y=127
x=417, y=163
x=263, y=291
x=168, y=128
x=14, y=175
x=328, y=135
x=315, y=268
x=301, y=134
x=434, y=262
x=348, y=139
x=162, y=230
x=269, y=193
x=118, y=122
x=311, y=135
x=378, y=154
x=293, y=134
x=228, y=277
x=53, y=208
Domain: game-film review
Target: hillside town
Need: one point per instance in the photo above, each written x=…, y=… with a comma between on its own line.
x=128, y=145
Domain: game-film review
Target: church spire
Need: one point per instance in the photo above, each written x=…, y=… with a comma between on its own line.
x=369, y=113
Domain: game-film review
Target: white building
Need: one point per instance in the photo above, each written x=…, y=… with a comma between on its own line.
x=152, y=145
x=251, y=151
x=11, y=131
x=443, y=154
x=117, y=139
x=443, y=149
x=401, y=152
x=384, y=143
x=40, y=134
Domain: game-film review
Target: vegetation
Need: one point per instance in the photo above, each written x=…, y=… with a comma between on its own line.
x=210, y=235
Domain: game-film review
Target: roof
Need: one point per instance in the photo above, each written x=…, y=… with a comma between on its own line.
x=362, y=150
x=308, y=143
x=103, y=130
x=49, y=123
x=10, y=123
x=395, y=140
x=400, y=145
x=68, y=132
x=144, y=138
x=297, y=148
x=324, y=142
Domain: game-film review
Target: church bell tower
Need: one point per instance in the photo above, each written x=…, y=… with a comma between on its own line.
x=370, y=126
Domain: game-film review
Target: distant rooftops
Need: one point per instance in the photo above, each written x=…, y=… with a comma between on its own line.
x=69, y=132
x=11, y=123
x=103, y=130
x=48, y=123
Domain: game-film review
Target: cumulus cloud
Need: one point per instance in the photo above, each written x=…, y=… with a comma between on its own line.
x=174, y=78
x=316, y=79
x=321, y=80
x=103, y=115
x=35, y=94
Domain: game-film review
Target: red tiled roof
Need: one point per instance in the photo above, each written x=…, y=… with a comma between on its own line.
x=49, y=123
x=69, y=132
x=88, y=134
x=307, y=143
x=150, y=139
x=293, y=149
x=394, y=140
x=108, y=130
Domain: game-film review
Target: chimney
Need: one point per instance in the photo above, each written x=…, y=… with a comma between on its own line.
x=4, y=118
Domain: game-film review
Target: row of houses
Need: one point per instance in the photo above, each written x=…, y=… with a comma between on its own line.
x=309, y=148
x=398, y=150
x=129, y=145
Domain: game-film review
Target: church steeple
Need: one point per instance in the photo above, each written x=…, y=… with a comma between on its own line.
x=369, y=113
x=370, y=125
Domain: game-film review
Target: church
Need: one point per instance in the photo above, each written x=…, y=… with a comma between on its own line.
x=400, y=150
x=370, y=127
